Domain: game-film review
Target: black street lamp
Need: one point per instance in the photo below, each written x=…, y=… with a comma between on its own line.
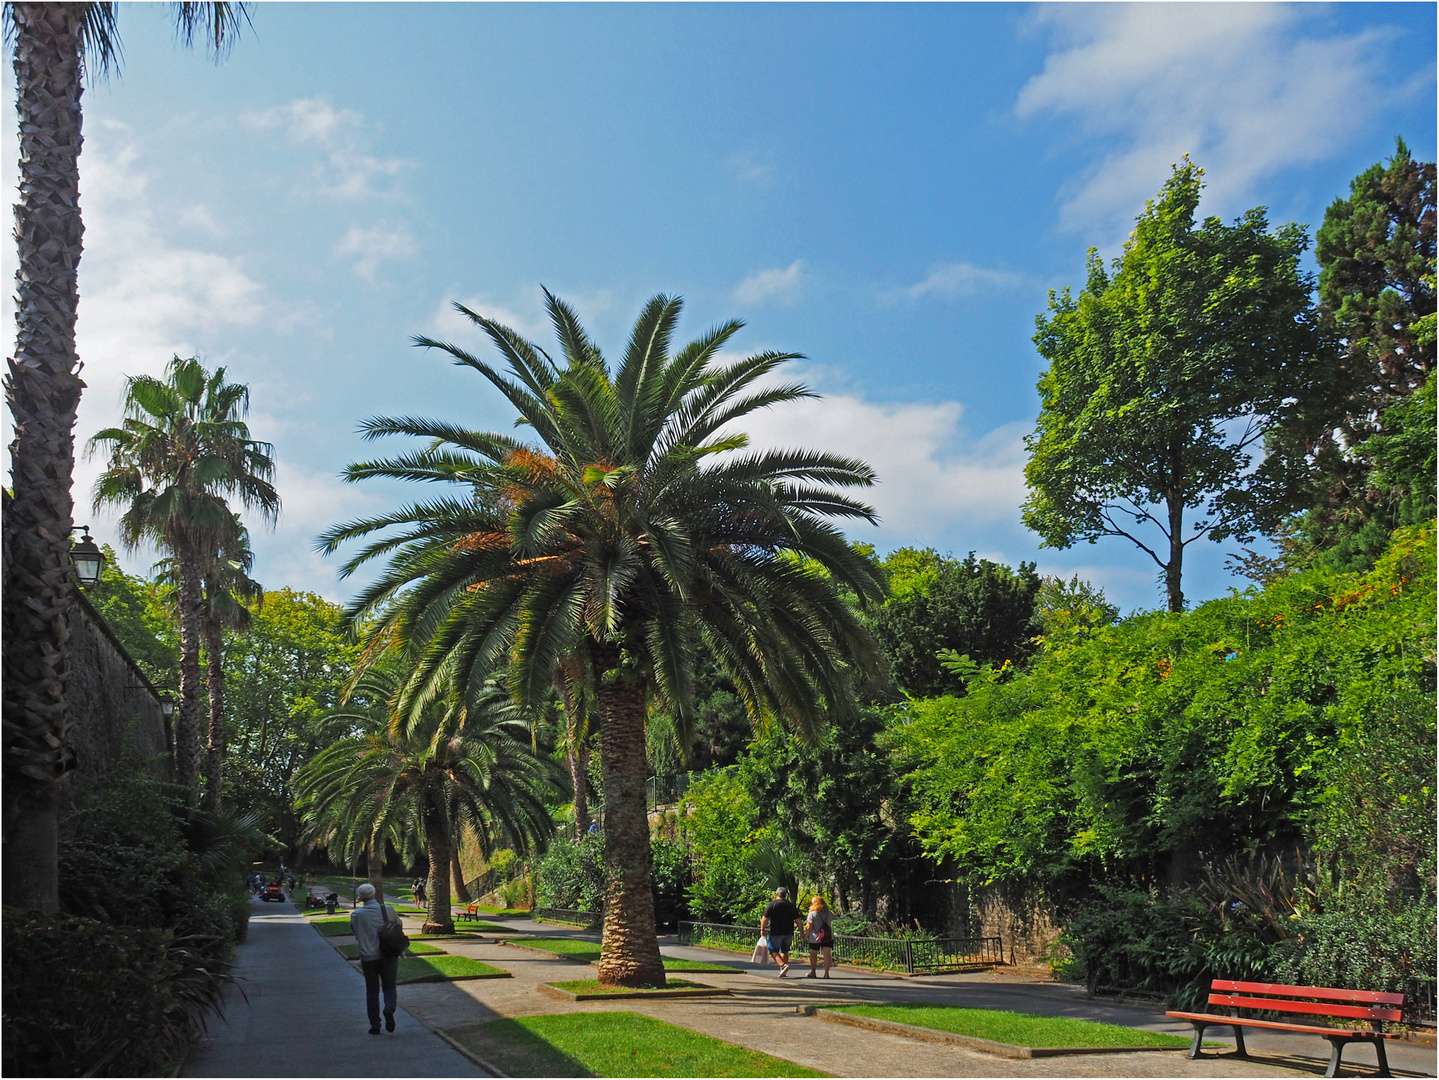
x=86, y=558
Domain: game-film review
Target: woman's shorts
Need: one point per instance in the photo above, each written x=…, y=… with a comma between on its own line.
x=815, y=946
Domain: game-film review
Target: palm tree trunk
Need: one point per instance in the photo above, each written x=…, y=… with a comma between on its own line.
x=439, y=919
x=43, y=392
x=457, y=872
x=215, y=748
x=629, y=951
x=375, y=868
x=187, y=721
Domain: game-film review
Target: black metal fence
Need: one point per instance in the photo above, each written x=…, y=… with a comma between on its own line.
x=590, y=920
x=910, y=955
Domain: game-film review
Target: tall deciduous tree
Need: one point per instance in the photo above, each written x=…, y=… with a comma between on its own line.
x=54, y=44
x=182, y=451
x=634, y=534
x=1164, y=375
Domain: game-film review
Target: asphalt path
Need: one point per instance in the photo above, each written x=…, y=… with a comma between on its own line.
x=302, y=1013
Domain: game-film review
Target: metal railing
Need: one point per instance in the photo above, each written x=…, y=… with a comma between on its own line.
x=590, y=920
x=910, y=955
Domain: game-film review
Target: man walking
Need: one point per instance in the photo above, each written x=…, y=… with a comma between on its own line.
x=778, y=923
x=365, y=923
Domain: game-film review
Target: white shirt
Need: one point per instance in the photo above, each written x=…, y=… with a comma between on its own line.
x=365, y=923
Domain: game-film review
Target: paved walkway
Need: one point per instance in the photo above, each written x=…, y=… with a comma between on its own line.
x=305, y=1014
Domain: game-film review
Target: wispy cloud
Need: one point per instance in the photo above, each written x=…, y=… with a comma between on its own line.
x=748, y=168
x=953, y=280
x=347, y=170
x=368, y=248
x=780, y=285
x=1246, y=89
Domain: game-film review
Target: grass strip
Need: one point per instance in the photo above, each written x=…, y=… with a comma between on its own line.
x=415, y=968
x=334, y=927
x=590, y=951
x=592, y=986
x=1017, y=1029
x=417, y=948
x=612, y=1044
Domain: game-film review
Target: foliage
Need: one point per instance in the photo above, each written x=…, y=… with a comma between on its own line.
x=152, y=892
x=721, y=831
x=833, y=803
x=285, y=676
x=671, y=876
x=570, y=874
x=78, y=990
x=976, y=607
x=1164, y=375
x=1201, y=734
x=135, y=609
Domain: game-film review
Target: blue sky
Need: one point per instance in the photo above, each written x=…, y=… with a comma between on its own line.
x=890, y=190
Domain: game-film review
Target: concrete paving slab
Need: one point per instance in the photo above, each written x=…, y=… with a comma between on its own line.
x=302, y=1013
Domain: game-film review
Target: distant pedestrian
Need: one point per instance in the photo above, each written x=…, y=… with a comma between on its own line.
x=419, y=890
x=819, y=934
x=379, y=970
x=778, y=923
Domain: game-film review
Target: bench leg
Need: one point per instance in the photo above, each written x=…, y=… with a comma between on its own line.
x=1334, y=1055
x=1383, y=1058
x=1198, y=1038
x=1239, y=1049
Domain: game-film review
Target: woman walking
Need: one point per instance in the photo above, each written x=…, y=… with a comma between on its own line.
x=819, y=935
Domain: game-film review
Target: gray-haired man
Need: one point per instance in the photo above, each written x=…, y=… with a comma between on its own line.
x=378, y=969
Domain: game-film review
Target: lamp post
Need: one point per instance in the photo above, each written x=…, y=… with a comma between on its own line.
x=86, y=558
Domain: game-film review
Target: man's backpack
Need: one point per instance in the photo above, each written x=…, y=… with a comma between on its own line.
x=393, y=941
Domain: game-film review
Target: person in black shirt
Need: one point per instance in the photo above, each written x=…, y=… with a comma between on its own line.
x=778, y=925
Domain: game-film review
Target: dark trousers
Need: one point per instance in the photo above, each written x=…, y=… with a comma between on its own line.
x=379, y=972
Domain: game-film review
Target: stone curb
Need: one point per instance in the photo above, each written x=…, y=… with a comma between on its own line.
x=553, y=991
x=542, y=952
x=971, y=1042
x=466, y=1052
x=437, y=978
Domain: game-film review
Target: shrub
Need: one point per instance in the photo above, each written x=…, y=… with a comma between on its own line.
x=570, y=874
x=79, y=993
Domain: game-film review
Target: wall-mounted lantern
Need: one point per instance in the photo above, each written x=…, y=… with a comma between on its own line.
x=86, y=558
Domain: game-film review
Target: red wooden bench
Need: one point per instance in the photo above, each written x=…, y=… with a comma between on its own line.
x=1363, y=1005
x=472, y=912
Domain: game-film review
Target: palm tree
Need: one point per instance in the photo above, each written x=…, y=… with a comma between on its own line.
x=54, y=44
x=229, y=595
x=426, y=782
x=183, y=449
x=635, y=533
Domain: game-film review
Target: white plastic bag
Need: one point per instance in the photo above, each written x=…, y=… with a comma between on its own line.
x=761, y=952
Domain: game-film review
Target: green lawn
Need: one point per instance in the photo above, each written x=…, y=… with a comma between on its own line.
x=592, y=986
x=471, y=930
x=613, y=1044
x=504, y=913
x=451, y=967
x=589, y=951
x=417, y=948
x=332, y=927
x=1018, y=1029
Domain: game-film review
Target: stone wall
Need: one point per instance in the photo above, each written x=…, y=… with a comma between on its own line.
x=1027, y=924
x=116, y=724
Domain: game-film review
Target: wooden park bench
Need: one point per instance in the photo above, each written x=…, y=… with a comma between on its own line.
x=471, y=912
x=1300, y=1001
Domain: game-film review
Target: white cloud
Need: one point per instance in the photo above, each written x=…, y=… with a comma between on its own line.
x=1243, y=88
x=953, y=280
x=367, y=248
x=936, y=480
x=780, y=285
x=346, y=171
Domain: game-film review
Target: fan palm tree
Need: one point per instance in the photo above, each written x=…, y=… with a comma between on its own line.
x=182, y=451
x=53, y=44
x=229, y=595
x=426, y=783
x=634, y=533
